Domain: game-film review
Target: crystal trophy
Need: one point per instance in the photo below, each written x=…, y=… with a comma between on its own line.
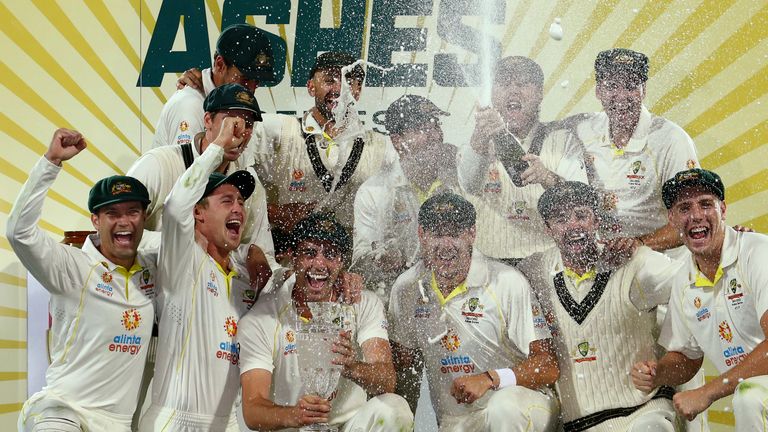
x=314, y=341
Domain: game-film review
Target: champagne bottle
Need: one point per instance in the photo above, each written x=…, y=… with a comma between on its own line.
x=509, y=152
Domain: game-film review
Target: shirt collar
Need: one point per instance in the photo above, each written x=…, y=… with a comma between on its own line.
x=208, y=84
x=728, y=257
x=90, y=247
x=310, y=125
x=639, y=137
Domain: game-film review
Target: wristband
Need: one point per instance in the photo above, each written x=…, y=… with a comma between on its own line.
x=507, y=377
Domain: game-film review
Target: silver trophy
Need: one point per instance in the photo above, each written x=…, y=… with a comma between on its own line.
x=314, y=340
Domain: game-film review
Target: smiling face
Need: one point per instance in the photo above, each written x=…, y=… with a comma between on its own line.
x=220, y=218
x=419, y=150
x=318, y=264
x=518, y=101
x=120, y=227
x=325, y=88
x=699, y=217
x=622, y=98
x=447, y=253
x=574, y=230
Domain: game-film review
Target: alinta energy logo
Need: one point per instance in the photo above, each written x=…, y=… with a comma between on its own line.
x=227, y=349
x=127, y=343
x=103, y=287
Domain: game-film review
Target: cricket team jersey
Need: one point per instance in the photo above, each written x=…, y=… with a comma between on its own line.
x=297, y=163
x=101, y=313
x=386, y=218
x=196, y=372
x=486, y=323
x=509, y=224
x=267, y=340
x=721, y=318
x=602, y=323
x=160, y=168
x=631, y=177
x=182, y=116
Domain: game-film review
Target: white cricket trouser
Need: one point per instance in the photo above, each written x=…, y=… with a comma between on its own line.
x=510, y=409
x=166, y=419
x=658, y=415
x=47, y=411
x=384, y=413
x=750, y=404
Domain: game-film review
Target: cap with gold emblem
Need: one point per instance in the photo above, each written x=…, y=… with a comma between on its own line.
x=411, y=112
x=232, y=96
x=117, y=189
x=448, y=213
x=683, y=180
x=323, y=227
x=624, y=62
x=249, y=49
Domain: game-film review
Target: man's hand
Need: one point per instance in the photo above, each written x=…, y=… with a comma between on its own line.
x=65, y=144
x=231, y=135
x=258, y=267
x=468, y=389
x=346, y=351
x=191, y=78
x=310, y=410
x=617, y=251
x=691, y=403
x=537, y=173
x=643, y=375
x=351, y=287
x=742, y=228
x=488, y=122
x=388, y=258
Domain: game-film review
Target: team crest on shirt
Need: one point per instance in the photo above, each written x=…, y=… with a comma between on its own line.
x=493, y=185
x=212, y=286
x=147, y=285
x=450, y=341
x=518, y=211
x=298, y=182
x=736, y=296
x=472, y=310
x=131, y=319
x=636, y=174
x=249, y=297
x=584, y=352
x=725, y=331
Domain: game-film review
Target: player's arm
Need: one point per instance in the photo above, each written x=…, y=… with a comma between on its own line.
x=692, y=402
x=662, y=239
x=260, y=413
x=538, y=370
x=375, y=372
x=46, y=259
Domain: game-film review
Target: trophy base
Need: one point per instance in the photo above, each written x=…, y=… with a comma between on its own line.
x=319, y=427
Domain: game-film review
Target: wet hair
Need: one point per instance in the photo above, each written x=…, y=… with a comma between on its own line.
x=518, y=68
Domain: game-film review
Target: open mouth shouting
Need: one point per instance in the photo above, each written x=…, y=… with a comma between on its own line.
x=234, y=226
x=123, y=238
x=316, y=280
